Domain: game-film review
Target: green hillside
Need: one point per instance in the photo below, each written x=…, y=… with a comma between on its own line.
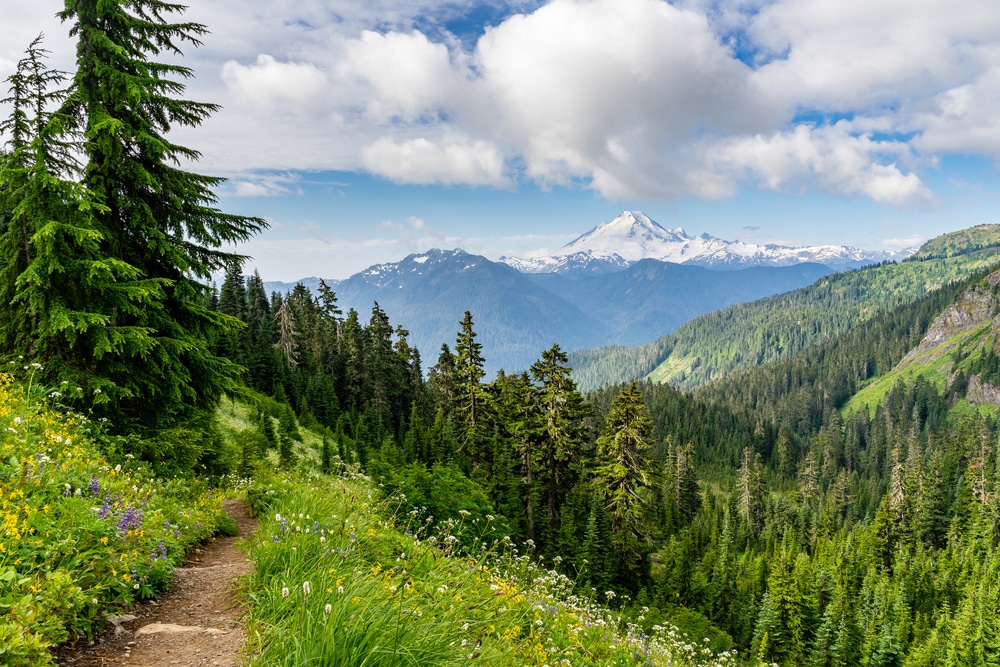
x=749, y=334
x=962, y=242
x=828, y=494
x=956, y=353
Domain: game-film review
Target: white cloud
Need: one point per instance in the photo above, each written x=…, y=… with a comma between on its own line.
x=265, y=185
x=423, y=161
x=295, y=87
x=605, y=90
x=833, y=157
x=964, y=119
x=633, y=98
x=410, y=76
x=851, y=55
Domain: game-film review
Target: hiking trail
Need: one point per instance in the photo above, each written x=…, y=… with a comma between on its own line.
x=194, y=623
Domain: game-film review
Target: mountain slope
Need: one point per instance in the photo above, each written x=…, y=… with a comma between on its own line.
x=428, y=293
x=746, y=335
x=961, y=242
x=956, y=349
x=651, y=297
x=518, y=316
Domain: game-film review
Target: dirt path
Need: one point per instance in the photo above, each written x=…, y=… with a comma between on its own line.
x=194, y=623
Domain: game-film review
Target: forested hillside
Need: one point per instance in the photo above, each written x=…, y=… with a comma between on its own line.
x=521, y=315
x=749, y=334
x=754, y=511
x=829, y=494
x=959, y=243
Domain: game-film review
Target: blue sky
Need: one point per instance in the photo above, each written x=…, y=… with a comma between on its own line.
x=368, y=130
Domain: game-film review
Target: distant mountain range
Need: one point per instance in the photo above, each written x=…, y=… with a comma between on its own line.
x=625, y=282
x=633, y=236
x=519, y=315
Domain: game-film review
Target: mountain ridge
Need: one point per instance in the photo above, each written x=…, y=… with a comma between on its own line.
x=633, y=236
x=520, y=315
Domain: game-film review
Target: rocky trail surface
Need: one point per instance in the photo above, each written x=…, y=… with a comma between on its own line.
x=193, y=624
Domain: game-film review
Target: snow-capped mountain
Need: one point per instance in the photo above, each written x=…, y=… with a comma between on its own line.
x=633, y=236
x=520, y=315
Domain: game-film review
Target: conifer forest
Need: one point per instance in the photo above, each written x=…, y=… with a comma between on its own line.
x=811, y=479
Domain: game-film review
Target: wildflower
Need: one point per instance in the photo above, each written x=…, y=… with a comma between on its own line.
x=340, y=590
x=306, y=589
x=328, y=608
x=284, y=592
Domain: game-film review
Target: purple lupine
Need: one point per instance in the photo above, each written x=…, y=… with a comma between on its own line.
x=94, y=486
x=131, y=518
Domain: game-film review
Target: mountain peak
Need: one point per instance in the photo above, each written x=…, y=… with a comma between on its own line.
x=633, y=235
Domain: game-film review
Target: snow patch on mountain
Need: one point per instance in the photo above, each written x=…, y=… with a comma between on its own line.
x=632, y=236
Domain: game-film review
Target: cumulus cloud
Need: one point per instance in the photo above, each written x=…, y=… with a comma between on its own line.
x=410, y=76
x=296, y=86
x=832, y=157
x=422, y=161
x=964, y=118
x=855, y=54
x=632, y=98
x=606, y=90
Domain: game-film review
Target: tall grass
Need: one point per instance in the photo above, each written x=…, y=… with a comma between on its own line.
x=80, y=536
x=337, y=584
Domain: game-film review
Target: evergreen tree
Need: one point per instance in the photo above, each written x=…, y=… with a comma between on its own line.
x=623, y=475
x=233, y=302
x=750, y=490
x=49, y=245
x=687, y=495
x=287, y=343
x=519, y=427
x=155, y=221
x=562, y=411
x=469, y=397
x=597, y=548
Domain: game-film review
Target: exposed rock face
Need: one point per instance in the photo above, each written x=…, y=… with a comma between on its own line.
x=976, y=307
x=981, y=393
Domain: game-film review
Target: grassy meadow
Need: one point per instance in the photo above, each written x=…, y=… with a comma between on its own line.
x=344, y=575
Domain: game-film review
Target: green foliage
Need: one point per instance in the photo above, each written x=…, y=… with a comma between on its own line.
x=82, y=535
x=624, y=478
x=104, y=263
x=962, y=242
x=750, y=334
x=333, y=584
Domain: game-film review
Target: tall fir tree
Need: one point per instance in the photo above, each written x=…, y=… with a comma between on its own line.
x=48, y=245
x=563, y=413
x=156, y=221
x=624, y=476
x=469, y=396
